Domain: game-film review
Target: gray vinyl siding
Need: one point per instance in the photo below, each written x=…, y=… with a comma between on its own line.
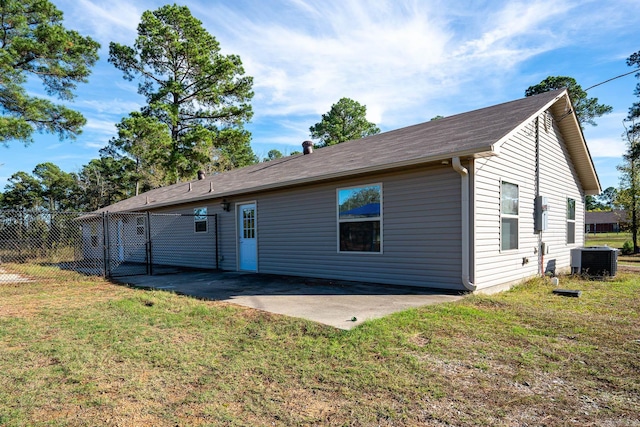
x=227, y=238
x=175, y=241
x=134, y=244
x=559, y=181
x=89, y=251
x=516, y=164
x=297, y=232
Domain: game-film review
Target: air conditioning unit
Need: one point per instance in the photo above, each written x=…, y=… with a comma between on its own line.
x=596, y=261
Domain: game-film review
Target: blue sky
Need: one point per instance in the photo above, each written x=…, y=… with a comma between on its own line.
x=407, y=61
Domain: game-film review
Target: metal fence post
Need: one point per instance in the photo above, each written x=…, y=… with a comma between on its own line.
x=106, y=242
x=148, y=246
x=215, y=221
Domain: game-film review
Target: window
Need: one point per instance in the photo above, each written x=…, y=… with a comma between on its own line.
x=359, y=219
x=509, y=216
x=571, y=221
x=140, y=226
x=249, y=223
x=94, y=235
x=200, y=219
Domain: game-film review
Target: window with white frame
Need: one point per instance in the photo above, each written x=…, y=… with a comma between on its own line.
x=360, y=219
x=200, y=219
x=571, y=221
x=140, y=226
x=509, y=199
x=94, y=235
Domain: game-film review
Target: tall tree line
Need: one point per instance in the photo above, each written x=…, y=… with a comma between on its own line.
x=99, y=183
x=197, y=103
x=198, y=100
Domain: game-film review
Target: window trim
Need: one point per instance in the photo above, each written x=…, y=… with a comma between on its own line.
x=571, y=221
x=379, y=219
x=509, y=216
x=250, y=227
x=93, y=235
x=140, y=226
x=197, y=214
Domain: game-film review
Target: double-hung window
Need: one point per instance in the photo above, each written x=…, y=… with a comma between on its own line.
x=360, y=219
x=200, y=219
x=509, y=198
x=94, y=235
x=571, y=221
x=140, y=225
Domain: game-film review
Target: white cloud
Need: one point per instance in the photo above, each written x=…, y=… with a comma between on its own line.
x=363, y=53
x=105, y=21
x=406, y=60
x=516, y=19
x=94, y=145
x=606, y=147
x=104, y=127
x=605, y=140
x=111, y=107
x=391, y=56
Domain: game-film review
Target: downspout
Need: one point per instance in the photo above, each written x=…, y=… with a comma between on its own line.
x=466, y=234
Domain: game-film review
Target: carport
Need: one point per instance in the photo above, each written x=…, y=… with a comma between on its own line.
x=336, y=303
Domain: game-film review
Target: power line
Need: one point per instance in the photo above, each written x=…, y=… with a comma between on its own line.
x=613, y=78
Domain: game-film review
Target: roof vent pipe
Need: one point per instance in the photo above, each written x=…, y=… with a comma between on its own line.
x=201, y=175
x=307, y=147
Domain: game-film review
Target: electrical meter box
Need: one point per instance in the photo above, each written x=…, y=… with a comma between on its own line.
x=542, y=213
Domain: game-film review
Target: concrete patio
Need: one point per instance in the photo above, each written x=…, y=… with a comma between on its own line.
x=333, y=303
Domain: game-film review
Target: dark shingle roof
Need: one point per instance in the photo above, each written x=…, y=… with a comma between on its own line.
x=466, y=134
x=606, y=217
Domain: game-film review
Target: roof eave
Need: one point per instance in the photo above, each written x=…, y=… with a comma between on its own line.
x=328, y=177
x=586, y=169
x=577, y=144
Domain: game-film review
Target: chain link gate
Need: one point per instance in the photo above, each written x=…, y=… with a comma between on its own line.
x=108, y=244
x=153, y=243
x=125, y=249
x=182, y=241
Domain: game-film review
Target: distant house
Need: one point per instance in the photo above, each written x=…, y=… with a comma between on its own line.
x=605, y=222
x=476, y=201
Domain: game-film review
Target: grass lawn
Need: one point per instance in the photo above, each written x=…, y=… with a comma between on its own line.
x=78, y=351
x=614, y=240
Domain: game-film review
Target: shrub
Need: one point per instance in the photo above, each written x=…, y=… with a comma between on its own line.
x=627, y=247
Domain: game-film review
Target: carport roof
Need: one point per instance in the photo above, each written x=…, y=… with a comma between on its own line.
x=473, y=134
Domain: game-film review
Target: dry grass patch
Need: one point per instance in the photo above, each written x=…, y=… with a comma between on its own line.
x=61, y=289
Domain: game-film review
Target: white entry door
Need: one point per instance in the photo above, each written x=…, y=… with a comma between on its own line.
x=247, y=242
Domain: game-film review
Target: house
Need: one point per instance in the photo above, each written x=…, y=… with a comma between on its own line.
x=606, y=222
x=476, y=201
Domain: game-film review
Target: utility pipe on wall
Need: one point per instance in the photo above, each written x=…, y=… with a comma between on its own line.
x=537, y=190
x=466, y=233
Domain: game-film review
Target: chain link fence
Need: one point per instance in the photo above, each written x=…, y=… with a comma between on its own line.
x=107, y=244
